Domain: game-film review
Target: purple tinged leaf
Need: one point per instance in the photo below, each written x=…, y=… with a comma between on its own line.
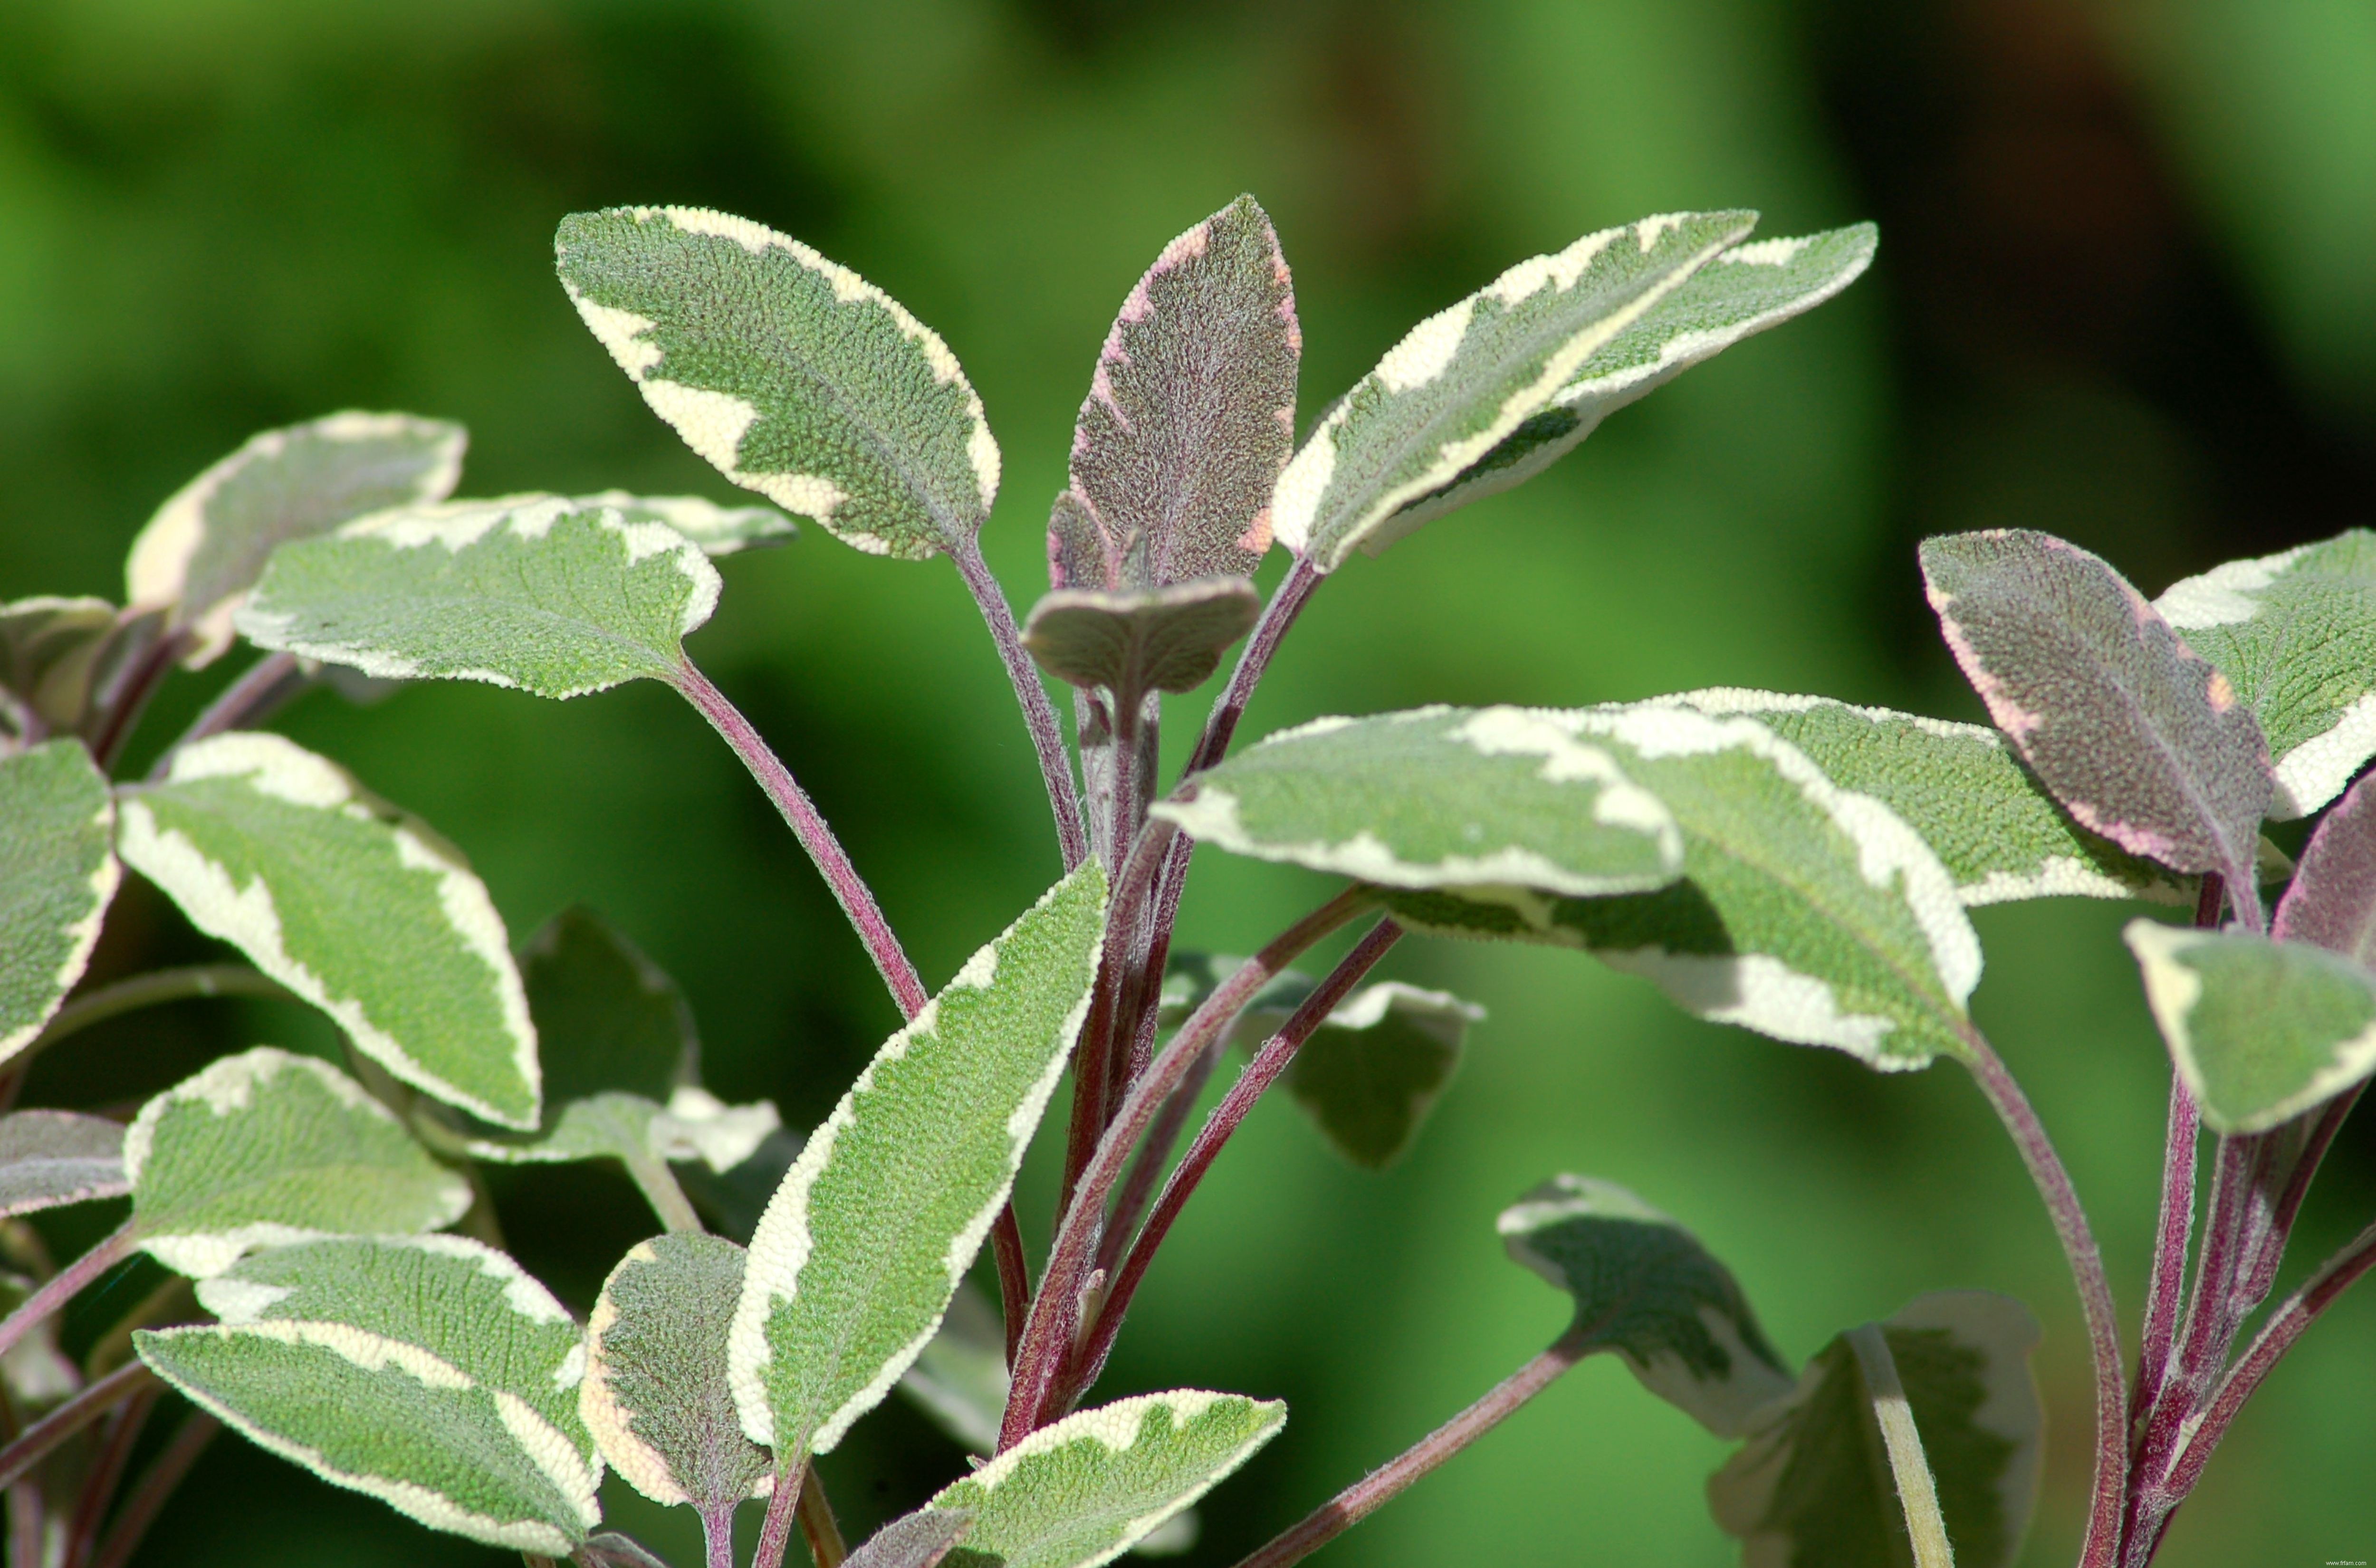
x=1189, y=418
x=912, y=1540
x=2142, y=740
x=1132, y=642
x=2332, y=902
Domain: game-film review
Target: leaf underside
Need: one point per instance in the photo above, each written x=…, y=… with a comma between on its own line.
x=49, y=1158
x=2330, y=902
x=1132, y=642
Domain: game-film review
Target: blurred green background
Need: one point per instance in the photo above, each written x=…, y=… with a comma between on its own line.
x=2120, y=295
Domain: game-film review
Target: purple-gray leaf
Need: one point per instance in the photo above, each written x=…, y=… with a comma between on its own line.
x=2140, y=740
x=52, y=1158
x=2332, y=902
x=1135, y=641
x=1189, y=418
x=912, y=1540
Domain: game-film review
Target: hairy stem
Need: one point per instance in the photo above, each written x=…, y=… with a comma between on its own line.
x=1364, y=1497
x=65, y=1285
x=1013, y=1276
x=660, y=1189
x=147, y=1500
x=267, y=686
x=717, y=1536
x=123, y=1430
x=1295, y=590
x=1126, y=904
x=2167, y=1288
x=152, y=988
x=1146, y=1167
x=2079, y=1249
x=1918, y=1492
x=776, y=1530
x=1039, y=714
x=34, y=1443
x=818, y=1526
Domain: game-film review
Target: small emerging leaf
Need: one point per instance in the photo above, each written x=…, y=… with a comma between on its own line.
x=264, y=1149
x=960, y=1377
x=1189, y=418
x=549, y=595
x=1130, y=642
x=49, y=1158
x=874, y=1227
x=2332, y=900
x=2144, y=742
x=1083, y=1490
x=356, y=907
x=1646, y=1288
x=57, y=875
x=792, y=375
x=205, y=547
x=1814, y=1485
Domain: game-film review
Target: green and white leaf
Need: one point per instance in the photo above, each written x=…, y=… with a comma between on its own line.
x=2259, y=1031
x=720, y=530
x=1807, y=912
x=1465, y=379
x=693, y=1124
x=1741, y=292
x=919, y=1539
x=1998, y=832
x=1439, y=797
x=264, y=1149
x=1814, y=1483
x=960, y=1378
x=50, y=1158
x=207, y=545
x=855, y=1260
x=792, y=375
x=1086, y=1489
x=57, y=875
x=1647, y=1290
x=48, y=648
x=2295, y=634
x=538, y=592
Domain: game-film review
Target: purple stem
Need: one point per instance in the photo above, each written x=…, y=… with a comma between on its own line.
x=1013, y=1276
x=1146, y=1166
x=65, y=1285
x=776, y=1530
x=1126, y=904
x=132, y=699
x=1294, y=592
x=717, y=1536
x=1039, y=714
x=265, y=685
x=123, y=1430
x=2169, y=1282
x=2070, y=1228
x=818, y=1526
x=164, y=1473
x=34, y=1443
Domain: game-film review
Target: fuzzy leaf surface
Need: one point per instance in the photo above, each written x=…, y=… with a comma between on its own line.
x=57, y=875
x=1189, y=418
x=2140, y=740
x=1807, y=912
x=1085, y=1490
x=655, y=1394
x=1135, y=641
x=959, y=1378
x=1439, y=797
x=1741, y=292
x=1647, y=1290
x=359, y=910
x=855, y=1260
x=1465, y=379
x=49, y=1158
x=790, y=374
x=542, y=593
x=1814, y=1484
x=2330, y=902
x=2295, y=634
x=264, y=1149
x=720, y=530
x=913, y=1540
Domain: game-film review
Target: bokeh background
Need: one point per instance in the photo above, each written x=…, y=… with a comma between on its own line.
x=2122, y=294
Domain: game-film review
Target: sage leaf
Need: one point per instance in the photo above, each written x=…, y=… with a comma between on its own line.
x=1743, y=291
x=913, y=1540
x=2261, y=1030
x=207, y=545
x=1996, y=829
x=357, y=908
x=608, y=1549
x=960, y=1378
x=542, y=593
x=49, y=1158
x=49, y=648
x=1085, y=1490
x=2295, y=634
x=792, y=375
x=2144, y=742
x=655, y=1394
x=1646, y=1288
x=1805, y=911
x=35, y=1371
x=1815, y=1484
x=855, y=1260
x=264, y=1149
x=1189, y=417
x=1439, y=797
x=57, y=875
x=1465, y=379
x=1132, y=642
x=2332, y=901
x=720, y=530
x=693, y=1125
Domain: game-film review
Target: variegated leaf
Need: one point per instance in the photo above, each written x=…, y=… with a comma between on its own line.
x=1646, y=1288
x=854, y=1262
x=538, y=593
x=1189, y=418
x=1815, y=1484
x=913, y=1540
x=1085, y=1490
x=2295, y=634
x=1806, y=911
x=1439, y=797
x=57, y=875
x=1466, y=379
x=205, y=547
x=1133, y=641
x=52, y=1158
x=792, y=375
x=2144, y=742
x=655, y=1394
x=2330, y=902
x=1998, y=832
x=48, y=647
x=360, y=910
x=2261, y=1030
x=720, y=530
x=1741, y=292
x=693, y=1125
x=959, y=1378
x=263, y=1149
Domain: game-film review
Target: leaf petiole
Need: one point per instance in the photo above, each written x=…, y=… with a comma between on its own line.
x=66, y=1284
x=1918, y=1493
x=1039, y=714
